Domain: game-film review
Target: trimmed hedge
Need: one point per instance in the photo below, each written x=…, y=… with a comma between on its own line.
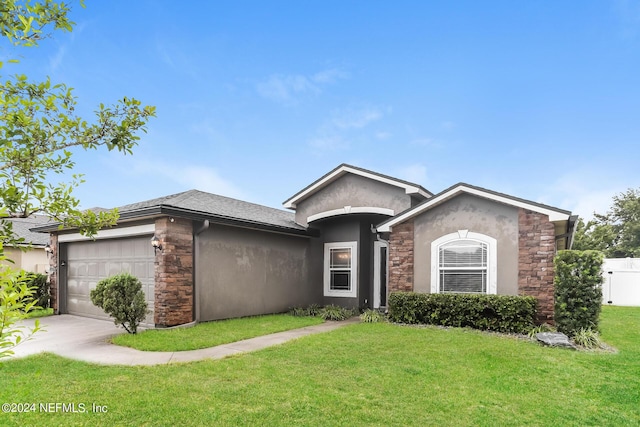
x=501, y=313
x=578, y=290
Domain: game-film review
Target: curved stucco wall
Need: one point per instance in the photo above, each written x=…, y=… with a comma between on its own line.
x=467, y=212
x=356, y=191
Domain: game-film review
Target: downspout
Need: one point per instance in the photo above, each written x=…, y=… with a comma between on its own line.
x=196, y=297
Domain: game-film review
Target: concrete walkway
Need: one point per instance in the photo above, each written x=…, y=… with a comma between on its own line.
x=86, y=339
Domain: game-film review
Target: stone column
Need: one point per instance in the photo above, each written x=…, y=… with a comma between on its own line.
x=401, y=242
x=536, y=250
x=174, y=272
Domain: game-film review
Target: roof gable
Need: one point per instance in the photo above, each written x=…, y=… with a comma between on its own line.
x=409, y=187
x=554, y=214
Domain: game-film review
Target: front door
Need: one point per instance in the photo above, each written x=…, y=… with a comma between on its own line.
x=379, y=274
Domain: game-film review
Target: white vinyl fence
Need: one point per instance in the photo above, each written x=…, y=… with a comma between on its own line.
x=621, y=284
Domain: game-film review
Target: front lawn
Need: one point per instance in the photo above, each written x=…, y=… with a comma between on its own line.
x=359, y=375
x=40, y=312
x=210, y=334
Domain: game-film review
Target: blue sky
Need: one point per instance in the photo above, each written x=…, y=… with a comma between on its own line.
x=255, y=100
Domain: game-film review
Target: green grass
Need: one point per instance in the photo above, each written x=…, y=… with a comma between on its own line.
x=210, y=334
x=361, y=375
x=42, y=312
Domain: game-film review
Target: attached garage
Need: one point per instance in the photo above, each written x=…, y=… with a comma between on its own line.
x=87, y=262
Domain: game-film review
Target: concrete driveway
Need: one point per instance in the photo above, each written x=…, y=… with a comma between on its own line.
x=86, y=339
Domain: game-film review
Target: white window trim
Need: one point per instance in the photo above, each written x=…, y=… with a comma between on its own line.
x=492, y=258
x=353, y=292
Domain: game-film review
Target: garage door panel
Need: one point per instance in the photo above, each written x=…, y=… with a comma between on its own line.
x=91, y=261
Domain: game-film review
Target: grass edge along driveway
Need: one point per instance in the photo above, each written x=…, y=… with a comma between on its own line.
x=210, y=334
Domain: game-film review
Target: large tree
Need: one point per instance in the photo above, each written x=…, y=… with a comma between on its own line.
x=616, y=233
x=39, y=128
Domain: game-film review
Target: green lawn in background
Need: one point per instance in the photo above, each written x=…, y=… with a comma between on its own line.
x=359, y=375
x=209, y=334
x=41, y=312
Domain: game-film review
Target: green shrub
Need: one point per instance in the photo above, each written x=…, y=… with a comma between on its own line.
x=121, y=297
x=334, y=312
x=501, y=313
x=299, y=312
x=578, y=290
x=40, y=287
x=314, y=310
x=587, y=338
x=372, y=316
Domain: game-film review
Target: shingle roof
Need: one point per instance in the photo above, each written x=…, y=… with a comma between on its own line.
x=22, y=226
x=216, y=206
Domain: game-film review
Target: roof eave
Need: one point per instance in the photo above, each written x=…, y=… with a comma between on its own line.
x=554, y=214
x=163, y=210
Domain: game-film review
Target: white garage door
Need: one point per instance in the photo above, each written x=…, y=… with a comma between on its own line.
x=91, y=261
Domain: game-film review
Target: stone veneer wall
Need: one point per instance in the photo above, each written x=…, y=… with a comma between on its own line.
x=174, y=272
x=401, y=258
x=536, y=250
x=53, y=273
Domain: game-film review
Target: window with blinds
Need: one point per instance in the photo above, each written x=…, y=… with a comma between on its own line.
x=463, y=267
x=341, y=269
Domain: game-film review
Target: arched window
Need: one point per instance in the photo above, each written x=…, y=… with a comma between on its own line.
x=464, y=262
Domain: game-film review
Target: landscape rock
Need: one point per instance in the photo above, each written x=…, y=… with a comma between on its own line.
x=555, y=339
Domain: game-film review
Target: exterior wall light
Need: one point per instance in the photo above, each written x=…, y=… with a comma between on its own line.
x=155, y=242
x=48, y=250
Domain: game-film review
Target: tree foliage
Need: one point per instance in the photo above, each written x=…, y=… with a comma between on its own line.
x=616, y=233
x=39, y=129
x=16, y=301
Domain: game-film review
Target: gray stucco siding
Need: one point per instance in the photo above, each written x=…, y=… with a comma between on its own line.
x=467, y=212
x=348, y=228
x=242, y=272
x=356, y=191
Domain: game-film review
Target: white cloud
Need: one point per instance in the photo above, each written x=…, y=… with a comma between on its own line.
x=330, y=76
x=342, y=127
x=56, y=60
x=416, y=173
x=329, y=143
x=355, y=118
x=288, y=89
x=583, y=193
x=383, y=135
x=189, y=176
x=207, y=179
x=177, y=58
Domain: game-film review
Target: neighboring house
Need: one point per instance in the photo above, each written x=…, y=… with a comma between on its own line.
x=29, y=255
x=354, y=236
